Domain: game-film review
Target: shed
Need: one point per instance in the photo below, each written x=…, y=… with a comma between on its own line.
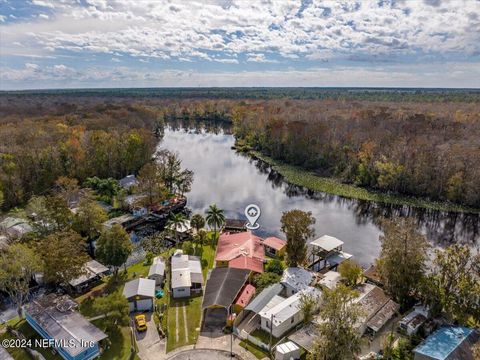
x=140, y=294
x=286, y=351
x=157, y=271
x=244, y=298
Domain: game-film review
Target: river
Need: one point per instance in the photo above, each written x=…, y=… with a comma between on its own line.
x=232, y=181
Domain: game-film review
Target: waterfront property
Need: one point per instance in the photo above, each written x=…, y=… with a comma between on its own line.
x=234, y=225
x=330, y=279
x=55, y=318
x=326, y=252
x=157, y=271
x=274, y=246
x=186, y=275
x=140, y=294
x=93, y=271
x=241, y=251
x=295, y=279
x=448, y=343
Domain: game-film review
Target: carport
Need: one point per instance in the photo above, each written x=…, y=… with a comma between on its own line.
x=223, y=286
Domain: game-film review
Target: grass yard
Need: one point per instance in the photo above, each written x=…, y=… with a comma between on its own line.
x=258, y=352
x=16, y=353
x=183, y=319
x=119, y=339
x=207, y=258
x=264, y=336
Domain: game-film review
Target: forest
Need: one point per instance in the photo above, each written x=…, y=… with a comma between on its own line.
x=427, y=147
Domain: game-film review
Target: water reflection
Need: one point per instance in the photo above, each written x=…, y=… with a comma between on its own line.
x=232, y=181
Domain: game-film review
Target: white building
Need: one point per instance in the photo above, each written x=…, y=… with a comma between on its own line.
x=140, y=294
x=157, y=271
x=285, y=313
x=287, y=351
x=414, y=319
x=186, y=275
x=295, y=279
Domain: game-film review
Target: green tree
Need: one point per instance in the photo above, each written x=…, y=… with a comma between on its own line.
x=114, y=307
x=308, y=306
x=215, y=218
x=350, y=271
x=275, y=266
x=154, y=243
x=107, y=189
x=63, y=255
x=174, y=223
x=200, y=238
x=151, y=184
x=51, y=213
x=401, y=264
x=297, y=225
x=453, y=284
x=338, y=338
x=264, y=280
x=114, y=247
x=187, y=248
x=198, y=222
x=89, y=219
x=18, y=264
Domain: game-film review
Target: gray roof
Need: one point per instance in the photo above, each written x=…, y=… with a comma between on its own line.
x=59, y=319
x=157, y=269
x=91, y=269
x=327, y=242
x=262, y=299
x=181, y=278
x=297, y=278
x=139, y=287
x=127, y=181
x=223, y=286
x=305, y=337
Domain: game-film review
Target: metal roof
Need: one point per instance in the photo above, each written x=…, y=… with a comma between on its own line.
x=185, y=270
x=223, y=286
x=444, y=341
x=262, y=299
x=297, y=278
x=305, y=337
x=181, y=278
x=139, y=287
x=157, y=269
x=330, y=279
x=327, y=242
x=287, y=347
x=57, y=317
x=91, y=269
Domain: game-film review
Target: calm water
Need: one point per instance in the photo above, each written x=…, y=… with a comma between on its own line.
x=232, y=181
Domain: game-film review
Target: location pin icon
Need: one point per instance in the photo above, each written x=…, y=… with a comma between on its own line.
x=252, y=212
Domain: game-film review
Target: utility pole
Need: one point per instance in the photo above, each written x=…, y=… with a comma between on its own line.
x=271, y=330
x=231, y=333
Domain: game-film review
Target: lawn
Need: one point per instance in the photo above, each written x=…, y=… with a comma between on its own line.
x=119, y=341
x=17, y=353
x=258, y=352
x=185, y=331
x=264, y=336
x=207, y=258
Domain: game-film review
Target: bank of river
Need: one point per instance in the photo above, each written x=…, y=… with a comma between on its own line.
x=233, y=180
x=305, y=178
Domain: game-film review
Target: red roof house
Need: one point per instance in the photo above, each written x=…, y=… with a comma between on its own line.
x=275, y=246
x=241, y=250
x=244, y=297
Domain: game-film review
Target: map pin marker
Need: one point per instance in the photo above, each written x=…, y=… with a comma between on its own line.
x=252, y=212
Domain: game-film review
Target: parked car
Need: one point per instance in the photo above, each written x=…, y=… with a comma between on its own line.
x=140, y=322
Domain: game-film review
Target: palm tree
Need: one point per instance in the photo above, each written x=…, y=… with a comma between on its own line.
x=197, y=222
x=199, y=239
x=215, y=218
x=174, y=222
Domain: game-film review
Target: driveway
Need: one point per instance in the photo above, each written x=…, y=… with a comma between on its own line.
x=150, y=346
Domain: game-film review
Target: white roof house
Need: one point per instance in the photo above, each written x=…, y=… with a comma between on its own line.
x=186, y=273
x=330, y=279
x=327, y=243
x=157, y=268
x=182, y=228
x=296, y=279
x=286, y=312
x=286, y=351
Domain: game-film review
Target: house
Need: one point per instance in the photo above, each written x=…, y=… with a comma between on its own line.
x=376, y=308
x=274, y=246
x=244, y=298
x=326, y=252
x=295, y=279
x=157, y=270
x=330, y=279
x=287, y=351
x=15, y=227
x=234, y=225
x=140, y=294
x=128, y=181
x=414, y=320
x=223, y=287
x=186, y=275
x=448, y=343
x=285, y=313
x=182, y=230
x=241, y=251
x=92, y=272
x=55, y=318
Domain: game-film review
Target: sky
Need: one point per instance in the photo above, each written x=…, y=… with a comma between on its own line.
x=187, y=43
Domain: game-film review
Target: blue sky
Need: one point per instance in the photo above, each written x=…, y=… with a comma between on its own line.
x=143, y=43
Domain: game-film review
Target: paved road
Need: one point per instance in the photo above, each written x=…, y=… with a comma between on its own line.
x=150, y=346
x=202, y=354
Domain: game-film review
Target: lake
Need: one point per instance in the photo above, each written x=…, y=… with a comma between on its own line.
x=233, y=180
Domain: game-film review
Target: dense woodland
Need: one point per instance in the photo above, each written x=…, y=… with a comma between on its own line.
x=426, y=147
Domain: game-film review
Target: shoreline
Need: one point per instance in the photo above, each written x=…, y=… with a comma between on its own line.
x=296, y=175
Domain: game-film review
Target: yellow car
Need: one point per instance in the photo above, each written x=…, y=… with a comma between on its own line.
x=140, y=322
